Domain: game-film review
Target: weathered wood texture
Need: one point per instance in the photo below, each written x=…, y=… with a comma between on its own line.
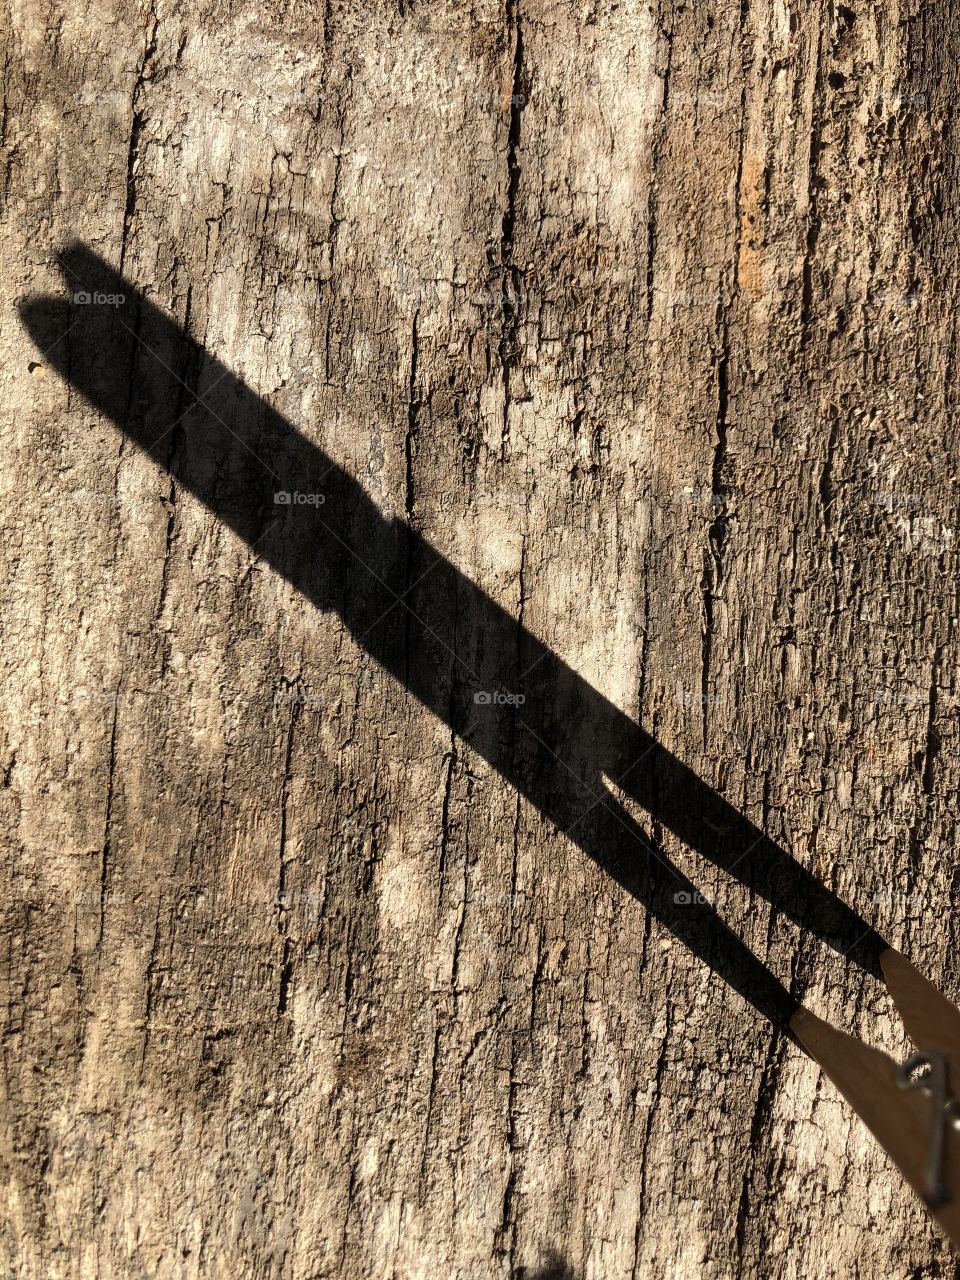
x=706, y=451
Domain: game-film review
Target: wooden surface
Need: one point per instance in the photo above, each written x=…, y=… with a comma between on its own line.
x=643, y=317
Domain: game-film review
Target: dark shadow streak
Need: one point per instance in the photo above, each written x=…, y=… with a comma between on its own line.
x=553, y=1268
x=443, y=638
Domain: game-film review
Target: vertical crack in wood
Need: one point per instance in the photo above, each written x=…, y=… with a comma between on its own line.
x=511, y=276
x=659, y=131
x=413, y=406
x=813, y=215
x=136, y=129
x=286, y=961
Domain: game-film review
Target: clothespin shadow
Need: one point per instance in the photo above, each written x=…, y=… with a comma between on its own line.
x=442, y=637
x=539, y=724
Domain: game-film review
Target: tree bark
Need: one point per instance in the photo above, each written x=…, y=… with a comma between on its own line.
x=610, y=349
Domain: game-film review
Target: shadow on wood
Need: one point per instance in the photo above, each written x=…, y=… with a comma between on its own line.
x=552, y=1268
x=544, y=729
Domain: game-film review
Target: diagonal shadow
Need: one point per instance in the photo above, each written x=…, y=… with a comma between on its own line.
x=430, y=627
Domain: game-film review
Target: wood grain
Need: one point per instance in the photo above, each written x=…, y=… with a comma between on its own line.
x=643, y=316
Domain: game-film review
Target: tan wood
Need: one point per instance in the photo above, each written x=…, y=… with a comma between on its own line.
x=643, y=316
